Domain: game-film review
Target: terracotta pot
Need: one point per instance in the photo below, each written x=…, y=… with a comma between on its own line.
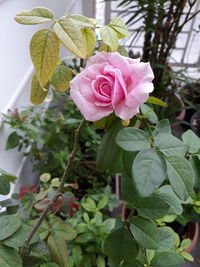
x=193, y=234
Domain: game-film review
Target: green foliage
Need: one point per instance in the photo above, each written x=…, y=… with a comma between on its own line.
x=9, y=257
x=121, y=241
x=92, y=228
x=55, y=130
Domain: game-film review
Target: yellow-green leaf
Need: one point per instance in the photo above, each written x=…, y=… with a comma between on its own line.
x=44, y=50
x=58, y=249
x=82, y=20
x=122, y=51
x=89, y=37
x=109, y=37
x=119, y=26
x=38, y=94
x=61, y=78
x=104, y=47
x=70, y=36
x=35, y=16
x=156, y=101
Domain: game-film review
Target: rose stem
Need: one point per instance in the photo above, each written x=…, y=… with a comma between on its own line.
x=57, y=194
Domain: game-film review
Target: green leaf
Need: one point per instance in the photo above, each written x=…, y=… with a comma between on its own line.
x=70, y=36
x=17, y=239
x=100, y=261
x=35, y=16
x=148, y=235
x=109, y=153
x=13, y=141
x=163, y=127
x=122, y=51
x=185, y=243
x=163, y=202
x=58, y=249
x=62, y=228
x=187, y=256
x=61, y=78
x=10, y=177
x=4, y=185
x=156, y=101
x=49, y=264
x=105, y=47
x=9, y=257
x=152, y=207
x=38, y=94
x=84, y=238
x=9, y=224
x=167, y=194
x=44, y=49
x=45, y=177
x=134, y=263
x=109, y=37
x=81, y=20
x=167, y=258
x=133, y=139
x=169, y=145
x=192, y=141
x=128, y=190
x=120, y=246
x=181, y=176
x=195, y=163
x=119, y=26
x=149, y=113
x=148, y=172
x=89, y=38
x=102, y=203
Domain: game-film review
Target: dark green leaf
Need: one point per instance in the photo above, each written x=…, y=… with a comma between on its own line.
x=10, y=177
x=4, y=185
x=167, y=258
x=148, y=172
x=13, y=141
x=133, y=139
x=120, y=246
x=163, y=127
x=9, y=257
x=9, y=224
x=169, y=145
x=192, y=141
x=17, y=239
x=148, y=235
x=195, y=163
x=109, y=153
x=181, y=176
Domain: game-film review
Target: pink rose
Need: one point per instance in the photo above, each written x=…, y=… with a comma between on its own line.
x=111, y=82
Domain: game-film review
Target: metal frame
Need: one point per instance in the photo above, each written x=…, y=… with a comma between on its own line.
x=183, y=62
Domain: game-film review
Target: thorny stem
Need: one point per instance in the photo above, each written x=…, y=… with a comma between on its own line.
x=57, y=194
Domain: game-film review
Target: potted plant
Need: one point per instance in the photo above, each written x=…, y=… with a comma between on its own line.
x=162, y=22
x=158, y=177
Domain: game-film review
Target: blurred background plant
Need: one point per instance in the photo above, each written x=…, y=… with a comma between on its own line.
x=161, y=22
x=45, y=136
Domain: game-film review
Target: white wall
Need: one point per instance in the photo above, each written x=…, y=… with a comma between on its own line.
x=15, y=64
